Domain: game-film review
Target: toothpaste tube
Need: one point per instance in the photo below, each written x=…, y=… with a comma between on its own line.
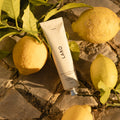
x=55, y=34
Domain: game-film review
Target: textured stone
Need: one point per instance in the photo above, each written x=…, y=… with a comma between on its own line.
x=43, y=83
x=118, y=71
x=89, y=51
x=66, y=100
x=5, y=75
x=108, y=114
x=7, y=44
x=16, y=38
x=14, y=107
x=45, y=118
x=95, y=3
x=9, y=61
x=117, y=39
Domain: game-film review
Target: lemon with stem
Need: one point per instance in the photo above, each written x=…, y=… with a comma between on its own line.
x=29, y=55
x=103, y=69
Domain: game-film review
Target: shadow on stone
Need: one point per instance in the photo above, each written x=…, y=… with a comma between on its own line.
x=45, y=78
x=83, y=69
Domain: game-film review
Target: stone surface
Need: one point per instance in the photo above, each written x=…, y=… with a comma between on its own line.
x=117, y=39
x=66, y=100
x=96, y=3
x=14, y=107
x=5, y=75
x=112, y=113
x=9, y=61
x=45, y=118
x=89, y=51
x=108, y=114
x=42, y=84
x=7, y=44
x=119, y=72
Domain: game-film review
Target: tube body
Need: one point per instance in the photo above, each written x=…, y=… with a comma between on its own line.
x=55, y=34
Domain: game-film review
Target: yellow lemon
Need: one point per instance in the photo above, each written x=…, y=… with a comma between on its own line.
x=97, y=25
x=29, y=56
x=103, y=69
x=78, y=112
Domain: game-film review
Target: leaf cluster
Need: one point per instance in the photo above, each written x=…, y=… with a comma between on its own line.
x=17, y=16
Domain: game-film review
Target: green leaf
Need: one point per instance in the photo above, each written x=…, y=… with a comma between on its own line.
x=29, y=22
x=3, y=53
x=50, y=14
x=105, y=96
x=12, y=8
x=7, y=32
x=117, y=89
x=73, y=5
x=104, y=92
x=1, y=3
x=75, y=51
x=65, y=7
x=39, y=2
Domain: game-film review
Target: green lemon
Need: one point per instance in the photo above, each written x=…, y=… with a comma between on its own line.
x=103, y=69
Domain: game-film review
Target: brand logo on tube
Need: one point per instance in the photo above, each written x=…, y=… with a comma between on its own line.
x=61, y=52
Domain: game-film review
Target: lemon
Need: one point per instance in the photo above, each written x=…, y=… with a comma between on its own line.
x=29, y=56
x=78, y=112
x=97, y=25
x=103, y=69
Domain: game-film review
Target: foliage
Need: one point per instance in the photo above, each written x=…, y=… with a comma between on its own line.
x=16, y=17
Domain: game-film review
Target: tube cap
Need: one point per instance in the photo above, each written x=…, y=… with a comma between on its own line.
x=73, y=92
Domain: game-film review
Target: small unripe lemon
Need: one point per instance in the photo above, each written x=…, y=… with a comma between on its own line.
x=78, y=112
x=29, y=55
x=103, y=69
x=97, y=25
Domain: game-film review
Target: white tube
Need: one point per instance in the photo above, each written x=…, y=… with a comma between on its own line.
x=55, y=34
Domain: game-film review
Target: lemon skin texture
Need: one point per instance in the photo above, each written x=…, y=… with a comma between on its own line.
x=97, y=25
x=103, y=69
x=78, y=112
x=29, y=55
